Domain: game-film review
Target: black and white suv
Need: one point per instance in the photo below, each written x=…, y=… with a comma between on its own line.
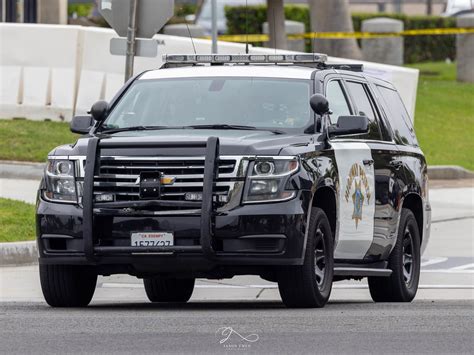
x=281, y=166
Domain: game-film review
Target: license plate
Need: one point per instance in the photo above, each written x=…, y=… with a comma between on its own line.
x=152, y=239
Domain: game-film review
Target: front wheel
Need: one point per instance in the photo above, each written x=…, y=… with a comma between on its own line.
x=160, y=289
x=67, y=285
x=309, y=285
x=404, y=262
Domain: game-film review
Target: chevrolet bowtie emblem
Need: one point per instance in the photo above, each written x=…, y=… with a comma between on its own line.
x=165, y=180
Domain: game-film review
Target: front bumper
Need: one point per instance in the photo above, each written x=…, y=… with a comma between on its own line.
x=269, y=234
x=204, y=236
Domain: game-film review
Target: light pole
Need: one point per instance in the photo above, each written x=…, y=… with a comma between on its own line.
x=398, y=6
x=429, y=7
x=214, y=25
x=129, y=59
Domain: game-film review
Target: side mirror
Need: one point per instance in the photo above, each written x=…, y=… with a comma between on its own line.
x=350, y=125
x=99, y=110
x=319, y=104
x=81, y=124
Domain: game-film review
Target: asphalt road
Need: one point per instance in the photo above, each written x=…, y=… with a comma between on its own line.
x=203, y=327
x=245, y=314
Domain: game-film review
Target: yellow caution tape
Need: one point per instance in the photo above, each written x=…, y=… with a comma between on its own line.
x=251, y=38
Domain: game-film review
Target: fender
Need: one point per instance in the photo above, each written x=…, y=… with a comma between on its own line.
x=322, y=173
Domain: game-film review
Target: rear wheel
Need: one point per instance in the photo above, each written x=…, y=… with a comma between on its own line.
x=404, y=262
x=309, y=285
x=67, y=285
x=160, y=289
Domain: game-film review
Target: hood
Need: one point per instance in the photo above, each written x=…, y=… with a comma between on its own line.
x=232, y=142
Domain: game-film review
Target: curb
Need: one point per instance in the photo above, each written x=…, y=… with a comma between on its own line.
x=18, y=253
x=21, y=170
x=449, y=172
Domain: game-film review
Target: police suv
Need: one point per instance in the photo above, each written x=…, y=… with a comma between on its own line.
x=282, y=166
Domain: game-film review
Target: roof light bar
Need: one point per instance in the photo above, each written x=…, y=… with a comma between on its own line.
x=244, y=58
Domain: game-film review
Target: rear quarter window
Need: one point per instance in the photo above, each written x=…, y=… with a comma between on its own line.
x=403, y=131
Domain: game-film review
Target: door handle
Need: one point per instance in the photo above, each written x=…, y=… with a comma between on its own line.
x=396, y=164
x=368, y=162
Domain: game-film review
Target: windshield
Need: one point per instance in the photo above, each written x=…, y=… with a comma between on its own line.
x=257, y=102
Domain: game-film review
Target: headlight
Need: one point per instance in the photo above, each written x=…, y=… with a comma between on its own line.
x=60, y=181
x=267, y=180
x=264, y=168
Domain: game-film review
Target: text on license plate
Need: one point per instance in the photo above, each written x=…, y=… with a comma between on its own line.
x=152, y=239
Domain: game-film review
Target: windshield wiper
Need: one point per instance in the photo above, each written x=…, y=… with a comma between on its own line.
x=232, y=126
x=135, y=128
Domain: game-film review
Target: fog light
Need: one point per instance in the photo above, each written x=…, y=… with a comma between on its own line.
x=193, y=196
x=104, y=198
x=223, y=198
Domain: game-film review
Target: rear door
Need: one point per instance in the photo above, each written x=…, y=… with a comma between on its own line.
x=387, y=164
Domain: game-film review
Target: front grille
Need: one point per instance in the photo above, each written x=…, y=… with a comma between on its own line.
x=119, y=175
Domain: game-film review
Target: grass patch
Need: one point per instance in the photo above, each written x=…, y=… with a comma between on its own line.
x=17, y=221
x=444, y=119
x=32, y=140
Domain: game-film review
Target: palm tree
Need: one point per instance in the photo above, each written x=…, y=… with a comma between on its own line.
x=333, y=16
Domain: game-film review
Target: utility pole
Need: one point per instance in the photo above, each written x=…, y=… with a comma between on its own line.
x=131, y=31
x=214, y=25
x=429, y=7
x=398, y=6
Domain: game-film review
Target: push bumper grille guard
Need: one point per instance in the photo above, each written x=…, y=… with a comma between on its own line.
x=207, y=212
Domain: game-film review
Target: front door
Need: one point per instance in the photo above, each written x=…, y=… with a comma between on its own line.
x=356, y=199
x=356, y=184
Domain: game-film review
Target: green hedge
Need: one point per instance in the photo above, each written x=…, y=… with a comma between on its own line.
x=82, y=10
x=417, y=49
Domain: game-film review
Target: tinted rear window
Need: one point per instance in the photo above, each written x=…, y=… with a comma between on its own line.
x=398, y=116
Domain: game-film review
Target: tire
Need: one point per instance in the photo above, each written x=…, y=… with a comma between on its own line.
x=304, y=286
x=67, y=285
x=402, y=285
x=159, y=289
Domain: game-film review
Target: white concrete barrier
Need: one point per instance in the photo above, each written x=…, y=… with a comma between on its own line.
x=47, y=56
x=98, y=68
x=55, y=71
x=10, y=76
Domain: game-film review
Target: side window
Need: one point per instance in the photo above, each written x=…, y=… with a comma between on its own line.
x=365, y=108
x=337, y=100
x=403, y=132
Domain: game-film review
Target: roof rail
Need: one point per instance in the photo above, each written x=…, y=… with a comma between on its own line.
x=351, y=67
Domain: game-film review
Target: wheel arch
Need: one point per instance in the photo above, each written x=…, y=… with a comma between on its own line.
x=414, y=203
x=325, y=198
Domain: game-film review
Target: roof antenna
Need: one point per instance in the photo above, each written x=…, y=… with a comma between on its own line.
x=190, y=36
x=274, y=30
x=313, y=44
x=246, y=27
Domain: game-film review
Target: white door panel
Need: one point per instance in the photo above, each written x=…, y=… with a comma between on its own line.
x=356, y=200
